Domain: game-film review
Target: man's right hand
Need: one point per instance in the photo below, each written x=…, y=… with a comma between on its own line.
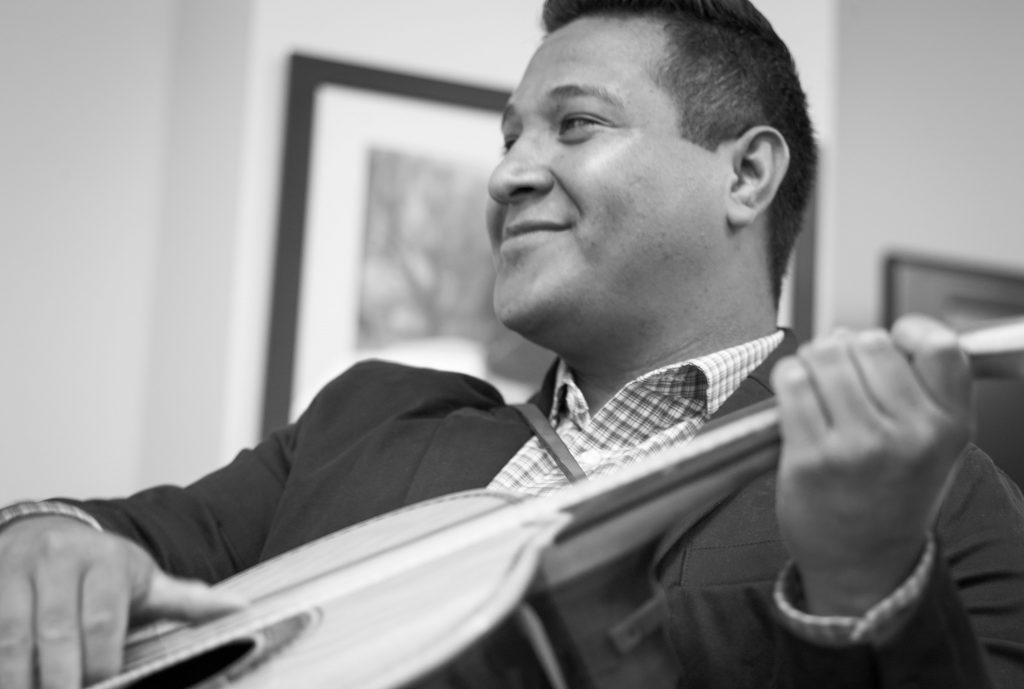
x=67, y=595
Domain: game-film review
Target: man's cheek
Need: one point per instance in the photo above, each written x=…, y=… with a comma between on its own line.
x=494, y=217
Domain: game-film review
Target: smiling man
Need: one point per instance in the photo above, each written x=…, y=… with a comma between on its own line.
x=658, y=158
x=612, y=231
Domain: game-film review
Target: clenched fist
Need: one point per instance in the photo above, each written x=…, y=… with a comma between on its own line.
x=872, y=425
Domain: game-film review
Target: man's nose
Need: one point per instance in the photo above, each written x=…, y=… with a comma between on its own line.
x=523, y=172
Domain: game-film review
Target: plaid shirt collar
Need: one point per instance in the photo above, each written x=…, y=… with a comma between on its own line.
x=705, y=382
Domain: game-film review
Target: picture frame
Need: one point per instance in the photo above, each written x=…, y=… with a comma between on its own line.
x=332, y=108
x=957, y=292
x=962, y=294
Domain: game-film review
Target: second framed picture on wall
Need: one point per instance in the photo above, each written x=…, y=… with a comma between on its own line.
x=964, y=294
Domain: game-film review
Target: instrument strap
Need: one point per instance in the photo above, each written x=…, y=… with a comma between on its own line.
x=550, y=441
x=533, y=629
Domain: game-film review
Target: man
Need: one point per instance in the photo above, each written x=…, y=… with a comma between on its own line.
x=658, y=157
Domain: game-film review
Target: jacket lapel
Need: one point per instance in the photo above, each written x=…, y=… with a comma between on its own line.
x=755, y=389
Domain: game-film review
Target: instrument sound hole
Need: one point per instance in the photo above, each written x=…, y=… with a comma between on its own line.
x=198, y=669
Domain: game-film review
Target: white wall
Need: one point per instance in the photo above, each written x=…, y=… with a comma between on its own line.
x=929, y=102
x=810, y=29
x=82, y=115
x=199, y=238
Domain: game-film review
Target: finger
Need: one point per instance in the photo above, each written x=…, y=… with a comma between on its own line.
x=941, y=365
x=104, y=621
x=58, y=643
x=16, y=630
x=887, y=374
x=801, y=415
x=183, y=599
x=837, y=380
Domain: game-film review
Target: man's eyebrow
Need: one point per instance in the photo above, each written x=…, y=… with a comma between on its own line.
x=567, y=91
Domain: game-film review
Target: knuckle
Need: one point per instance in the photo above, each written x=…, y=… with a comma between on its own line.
x=108, y=550
x=930, y=427
x=852, y=455
x=943, y=339
x=931, y=438
x=836, y=453
x=55, y=627
x=16, y=556
x=844, y=446
x=826, y=350
x=874, y=338
x=15, y=637
x=55, y=544
x=789, y=373
x=100, y=621
x=941, y=345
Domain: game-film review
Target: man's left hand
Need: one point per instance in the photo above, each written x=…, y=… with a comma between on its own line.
x=872, y=425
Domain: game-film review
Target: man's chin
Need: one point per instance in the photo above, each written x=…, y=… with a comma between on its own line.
x=530, y=321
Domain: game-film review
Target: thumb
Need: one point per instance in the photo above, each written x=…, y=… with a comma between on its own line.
x=940, y=364
x=188, y=600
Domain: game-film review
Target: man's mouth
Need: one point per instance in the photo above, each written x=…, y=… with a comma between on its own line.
x=522, y=227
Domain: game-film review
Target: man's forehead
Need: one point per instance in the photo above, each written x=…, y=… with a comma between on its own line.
x=601, y=57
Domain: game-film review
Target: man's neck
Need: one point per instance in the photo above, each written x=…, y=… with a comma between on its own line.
x=599, y=377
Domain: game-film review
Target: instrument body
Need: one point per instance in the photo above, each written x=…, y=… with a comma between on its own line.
x=370, y=606
x=389, y=600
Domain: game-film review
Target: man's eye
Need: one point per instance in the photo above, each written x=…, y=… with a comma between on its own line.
x=575, y=123
x=508, y=144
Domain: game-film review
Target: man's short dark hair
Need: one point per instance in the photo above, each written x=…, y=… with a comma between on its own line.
x=729, y=72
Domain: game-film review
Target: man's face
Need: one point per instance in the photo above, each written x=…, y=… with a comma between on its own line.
x=601, y=215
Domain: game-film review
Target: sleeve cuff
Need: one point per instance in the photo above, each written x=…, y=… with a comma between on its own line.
x=44, y=508
x=874, y=627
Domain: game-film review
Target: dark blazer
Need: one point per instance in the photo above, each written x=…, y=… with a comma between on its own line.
x=382, y=436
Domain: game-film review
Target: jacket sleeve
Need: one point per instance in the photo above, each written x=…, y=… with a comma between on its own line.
x=218, y=525
x=214, y=527
x=968, y=628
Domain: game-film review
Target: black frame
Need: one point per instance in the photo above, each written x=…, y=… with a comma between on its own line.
x=961, y=294
x=949, y=280
x=306, y=75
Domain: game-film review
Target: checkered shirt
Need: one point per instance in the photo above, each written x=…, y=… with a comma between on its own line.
x=661, y=408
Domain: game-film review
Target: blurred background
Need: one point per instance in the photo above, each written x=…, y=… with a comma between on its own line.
x=140, y=158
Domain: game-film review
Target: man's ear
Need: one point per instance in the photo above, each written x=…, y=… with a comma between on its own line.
x=760, y=158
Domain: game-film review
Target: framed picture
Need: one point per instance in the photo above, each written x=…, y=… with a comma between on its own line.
x=963, y=294
x=381, y=247
x=958, y=293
